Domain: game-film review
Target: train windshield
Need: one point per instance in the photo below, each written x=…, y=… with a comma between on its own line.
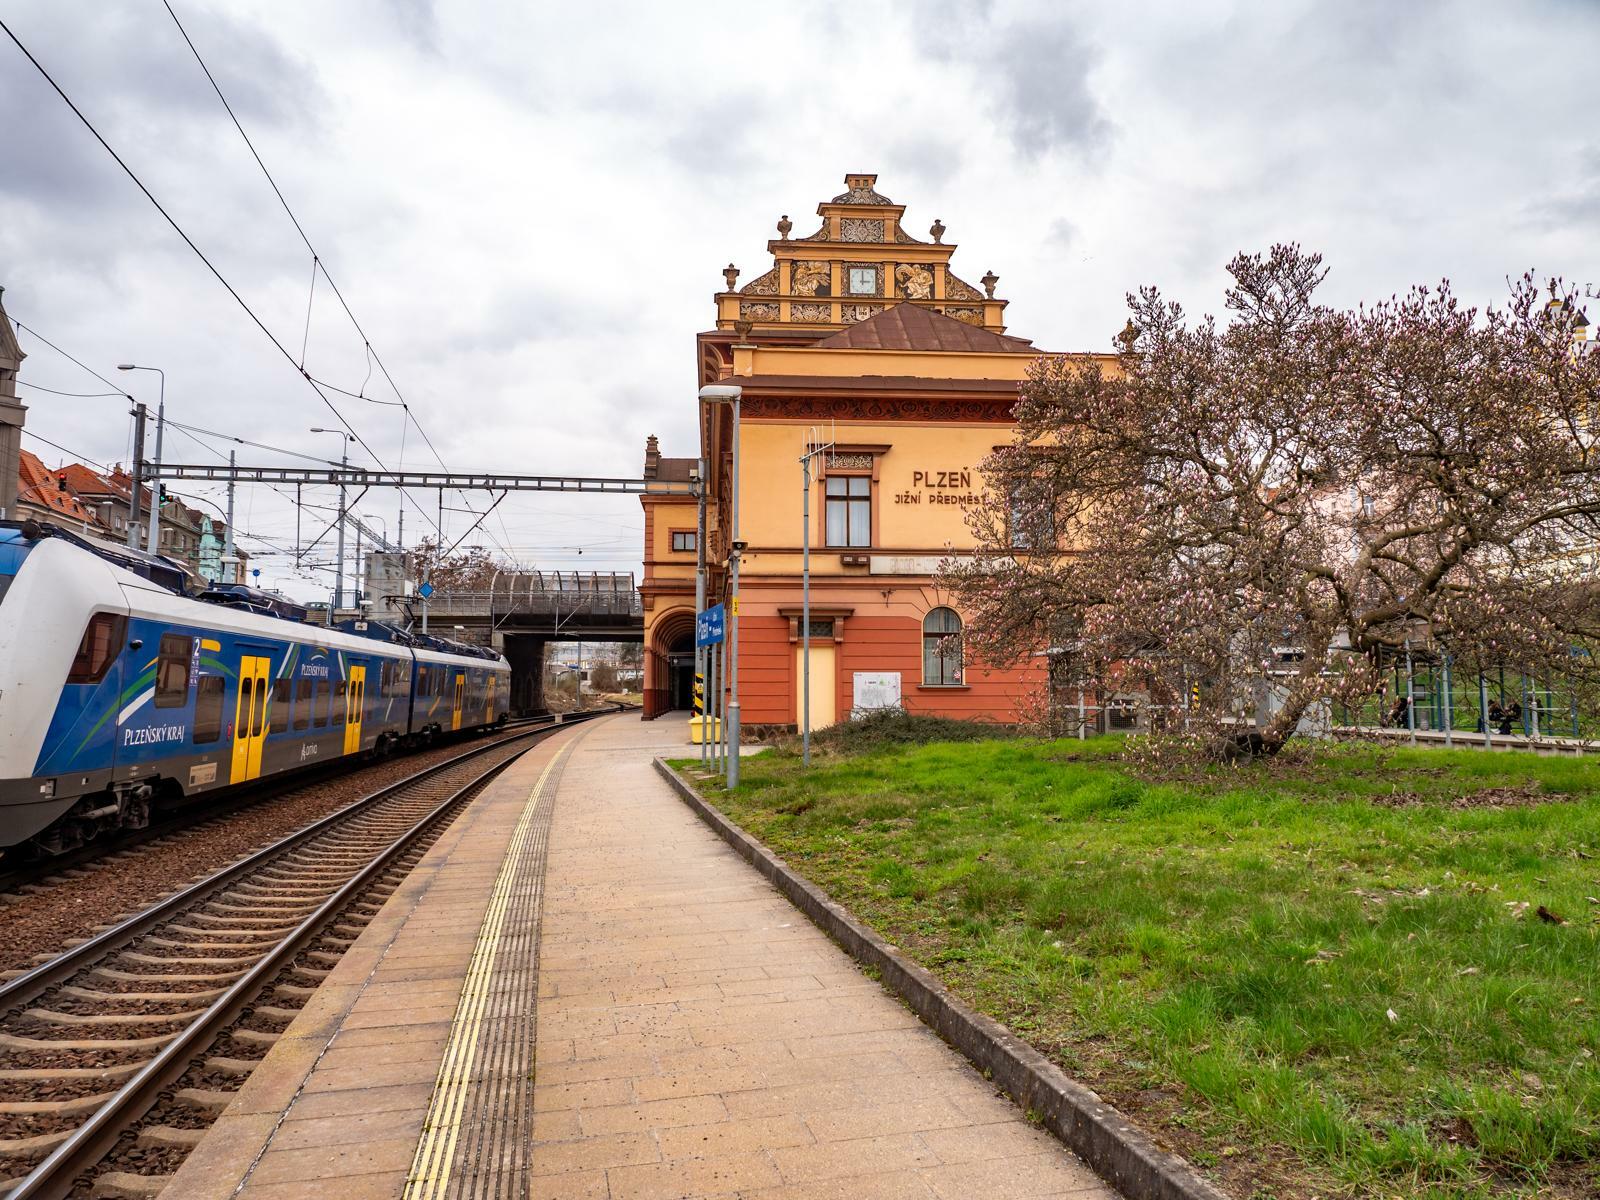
x=12, y=551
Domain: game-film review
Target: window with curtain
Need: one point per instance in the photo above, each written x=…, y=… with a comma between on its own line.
x=941, y=648
x=849, y=510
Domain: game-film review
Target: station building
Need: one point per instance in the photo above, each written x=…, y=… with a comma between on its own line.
x=861, y=337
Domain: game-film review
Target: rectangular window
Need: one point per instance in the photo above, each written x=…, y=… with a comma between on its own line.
x=1029, y=518
x=280, y=705
x=172, y=670
x=319, y=703
x=683, y=540
x=302, y=703
x=101, y=643
x=849, y=510
x=340, y=690
x=208, y=708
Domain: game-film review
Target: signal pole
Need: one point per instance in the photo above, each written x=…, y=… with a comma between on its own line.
x=136, y=502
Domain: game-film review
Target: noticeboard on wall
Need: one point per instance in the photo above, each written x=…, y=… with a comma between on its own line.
x=875, y=690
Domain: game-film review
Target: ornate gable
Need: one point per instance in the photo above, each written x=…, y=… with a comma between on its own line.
x=858, y=264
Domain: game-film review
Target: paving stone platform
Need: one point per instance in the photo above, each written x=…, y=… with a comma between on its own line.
x=695, y=1035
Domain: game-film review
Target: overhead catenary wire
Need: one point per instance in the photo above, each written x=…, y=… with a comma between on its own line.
x=81, y=457
x=74, y=395
x=317, y=264
x=188, y=431
x=200, y=254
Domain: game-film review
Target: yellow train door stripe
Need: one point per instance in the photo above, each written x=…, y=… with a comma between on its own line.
x=430, y=1169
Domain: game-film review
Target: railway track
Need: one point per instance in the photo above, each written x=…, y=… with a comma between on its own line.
x=21, y=876
x=116, y=1055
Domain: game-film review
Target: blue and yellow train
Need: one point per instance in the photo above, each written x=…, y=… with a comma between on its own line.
x=120, y=691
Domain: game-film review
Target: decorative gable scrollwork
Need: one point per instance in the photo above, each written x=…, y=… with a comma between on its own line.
x=762, y=285
x=956, y=288
x=861, y=229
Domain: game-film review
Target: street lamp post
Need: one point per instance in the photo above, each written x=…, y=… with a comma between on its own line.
x=154, y=542
x=723, y=393
x=338, y=571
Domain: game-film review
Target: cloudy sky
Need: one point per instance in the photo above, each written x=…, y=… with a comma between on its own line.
x=528, y=205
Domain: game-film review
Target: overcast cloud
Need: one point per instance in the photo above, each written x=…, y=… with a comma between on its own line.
x=528, y=206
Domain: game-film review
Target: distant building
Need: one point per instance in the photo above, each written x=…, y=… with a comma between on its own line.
x=110, y=496
x=12, y=413
x=43, y=495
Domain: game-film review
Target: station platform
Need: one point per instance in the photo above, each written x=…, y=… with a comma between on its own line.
x=581, y=992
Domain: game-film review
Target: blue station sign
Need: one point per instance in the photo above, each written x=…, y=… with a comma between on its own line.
x=711, y=626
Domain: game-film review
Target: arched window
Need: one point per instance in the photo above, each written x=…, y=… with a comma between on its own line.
x=941, y=648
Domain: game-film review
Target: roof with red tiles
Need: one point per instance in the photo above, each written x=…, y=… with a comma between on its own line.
x=40, y=486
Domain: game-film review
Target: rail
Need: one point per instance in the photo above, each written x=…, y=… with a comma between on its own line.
x=63, y=1168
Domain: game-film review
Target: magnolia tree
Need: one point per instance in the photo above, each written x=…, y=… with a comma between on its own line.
x=469, y=570
x=1244, y=522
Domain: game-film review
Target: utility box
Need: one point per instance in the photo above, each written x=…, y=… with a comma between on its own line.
x=704, y=729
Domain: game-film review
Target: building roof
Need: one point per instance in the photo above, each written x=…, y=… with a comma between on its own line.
x=912, y=327
x=677, y=469
x=119, y=486
x=858, y=384
x=861, y=190
x=38, y=485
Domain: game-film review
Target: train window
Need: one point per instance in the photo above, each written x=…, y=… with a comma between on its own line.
x=280, y=705
x=302, y=703
x=102, y=642
x=172, y=670
x=340, y=690
x=208, y=708
x=319, y=704
x=259, y=724
x=422, y=680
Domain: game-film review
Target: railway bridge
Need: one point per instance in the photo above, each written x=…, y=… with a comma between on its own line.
x=521, y=613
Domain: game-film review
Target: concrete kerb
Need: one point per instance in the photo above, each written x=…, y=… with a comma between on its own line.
x=1118, y=1150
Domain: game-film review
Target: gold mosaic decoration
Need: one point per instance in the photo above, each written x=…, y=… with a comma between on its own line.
x=810, y=278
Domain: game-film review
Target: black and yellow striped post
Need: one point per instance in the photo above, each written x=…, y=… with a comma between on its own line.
x=700, y=710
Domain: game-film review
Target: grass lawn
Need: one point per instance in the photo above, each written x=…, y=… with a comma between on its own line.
x=1321, y=978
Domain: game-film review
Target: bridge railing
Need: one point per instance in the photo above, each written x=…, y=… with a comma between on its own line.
x=545, y=593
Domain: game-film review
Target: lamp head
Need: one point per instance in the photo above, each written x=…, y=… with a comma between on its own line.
x=720, y=393
x=126, y=367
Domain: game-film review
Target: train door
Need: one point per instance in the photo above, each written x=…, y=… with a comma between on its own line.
x=250, y=717
x=488, y=706
x=355, y=700
x=455, y=713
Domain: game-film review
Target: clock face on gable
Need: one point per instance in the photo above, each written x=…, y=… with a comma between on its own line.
x=863, y=281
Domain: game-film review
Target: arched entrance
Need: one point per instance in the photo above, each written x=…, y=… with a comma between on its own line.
x=669, y=661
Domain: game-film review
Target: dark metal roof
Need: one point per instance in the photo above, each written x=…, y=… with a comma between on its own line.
x=909, y=326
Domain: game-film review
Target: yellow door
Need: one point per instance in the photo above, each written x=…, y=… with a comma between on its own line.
x=488, y=707
x=355, y=703
x=250, y=718
x=455, y=715
x=824, y=699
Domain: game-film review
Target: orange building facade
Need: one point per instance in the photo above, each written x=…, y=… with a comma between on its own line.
x=859, y=338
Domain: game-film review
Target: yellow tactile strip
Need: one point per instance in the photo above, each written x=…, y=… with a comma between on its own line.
x=476, y=1138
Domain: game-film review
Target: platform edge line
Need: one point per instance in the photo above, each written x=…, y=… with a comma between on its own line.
x=1120, y=1152
x=430, y=1169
